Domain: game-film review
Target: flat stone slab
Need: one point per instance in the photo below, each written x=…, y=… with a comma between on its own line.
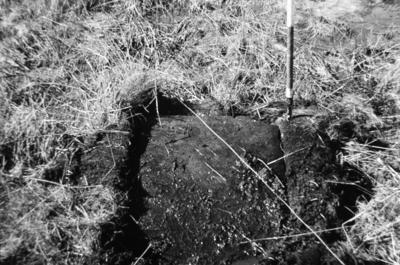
x=202, y=203
x=184, y=145
x=188, y=199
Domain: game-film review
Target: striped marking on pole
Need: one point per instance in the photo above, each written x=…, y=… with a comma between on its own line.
x=289, y=62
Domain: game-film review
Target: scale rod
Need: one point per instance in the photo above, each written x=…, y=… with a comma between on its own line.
x=289, y=57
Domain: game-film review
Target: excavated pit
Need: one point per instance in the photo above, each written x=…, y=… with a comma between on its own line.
x=189, y=200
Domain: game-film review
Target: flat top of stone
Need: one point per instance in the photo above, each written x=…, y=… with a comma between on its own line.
x=185, y=140
x=201, y=198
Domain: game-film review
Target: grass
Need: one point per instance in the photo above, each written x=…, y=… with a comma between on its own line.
x=376, y=230
x=68, y=68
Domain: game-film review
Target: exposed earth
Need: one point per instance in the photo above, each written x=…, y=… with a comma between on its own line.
x=190, y=200
x=93, y=173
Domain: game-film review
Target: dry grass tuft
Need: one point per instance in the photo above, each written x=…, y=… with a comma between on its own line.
x=54, y=223
x=376, y=233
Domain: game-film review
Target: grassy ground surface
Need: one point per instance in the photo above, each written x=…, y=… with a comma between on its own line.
x=68, y=68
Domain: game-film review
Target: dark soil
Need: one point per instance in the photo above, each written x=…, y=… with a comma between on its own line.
x=201, y=201
x=187, y=199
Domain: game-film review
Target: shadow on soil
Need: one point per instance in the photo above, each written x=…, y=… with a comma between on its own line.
x=122, y=240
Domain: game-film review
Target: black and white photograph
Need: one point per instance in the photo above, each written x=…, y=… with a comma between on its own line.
x=200, y=132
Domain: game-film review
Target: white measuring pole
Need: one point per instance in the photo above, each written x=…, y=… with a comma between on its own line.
x=289, y=62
